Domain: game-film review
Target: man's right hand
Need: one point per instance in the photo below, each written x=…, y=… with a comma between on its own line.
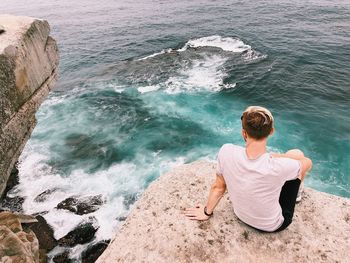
x=196, y=213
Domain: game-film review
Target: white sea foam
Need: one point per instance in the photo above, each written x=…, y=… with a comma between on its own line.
x=206, y=73
x=225, y=43
x=114, y=87
x=169, y=50
x=229, y=85
x=150, y=88
x=252, y=55
x=36, y=176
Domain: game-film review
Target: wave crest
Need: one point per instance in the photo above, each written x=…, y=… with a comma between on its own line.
x=225, y=43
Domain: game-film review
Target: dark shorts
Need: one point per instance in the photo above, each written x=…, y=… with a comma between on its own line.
x=287, y=201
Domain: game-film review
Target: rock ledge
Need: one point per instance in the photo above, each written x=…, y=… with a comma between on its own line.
x=157, y=231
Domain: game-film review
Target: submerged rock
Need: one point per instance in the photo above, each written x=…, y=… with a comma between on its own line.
x=82, y=234
x=91, y=254
x=157, y=231
x=82, y=205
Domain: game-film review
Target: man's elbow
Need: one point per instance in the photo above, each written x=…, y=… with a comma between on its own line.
x=218, y=189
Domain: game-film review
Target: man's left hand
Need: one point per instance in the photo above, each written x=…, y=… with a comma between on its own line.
x=196, y=213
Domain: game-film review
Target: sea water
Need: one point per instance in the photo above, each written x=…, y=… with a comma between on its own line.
x=148, y=85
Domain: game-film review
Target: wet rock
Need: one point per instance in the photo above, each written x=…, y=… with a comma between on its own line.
x=44, y=233
x=12, y=181
x=121, y=218
x=13, y=204
x=2, y=29
x=82, y=205
x=42, y=197
x=62, y=258
x=82, y=234
x=9, y=202
x=91, y=254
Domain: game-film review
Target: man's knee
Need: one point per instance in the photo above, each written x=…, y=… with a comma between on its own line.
x=296, y=153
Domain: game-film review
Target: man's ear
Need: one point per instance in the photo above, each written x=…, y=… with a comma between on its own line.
x=244, y=135
x=272, y=131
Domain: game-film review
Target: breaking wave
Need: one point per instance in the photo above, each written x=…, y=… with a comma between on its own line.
x=225, y=43
x=202, y=63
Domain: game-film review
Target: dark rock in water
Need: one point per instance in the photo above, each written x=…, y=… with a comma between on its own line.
x=62, y=258
x=81, y=205
x=13, y=204
x=80, y=235
x=91, y=254
x=44, y=233
x=121, y=218
x=45, y=195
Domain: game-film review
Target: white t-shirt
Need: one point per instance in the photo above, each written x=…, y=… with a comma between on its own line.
x=254, y=185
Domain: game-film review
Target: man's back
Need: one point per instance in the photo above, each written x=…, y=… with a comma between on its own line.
x=254, y=185
x=263, y=187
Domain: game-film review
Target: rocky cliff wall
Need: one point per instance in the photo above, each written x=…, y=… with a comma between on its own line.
x=28, y=70
x=157, y=231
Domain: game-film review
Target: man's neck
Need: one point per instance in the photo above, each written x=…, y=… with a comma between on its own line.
x=255, y=148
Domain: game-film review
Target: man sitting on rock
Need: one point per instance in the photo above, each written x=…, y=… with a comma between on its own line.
x=262, y=186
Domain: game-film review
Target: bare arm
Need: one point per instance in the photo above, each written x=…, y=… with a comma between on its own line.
x=217, y=190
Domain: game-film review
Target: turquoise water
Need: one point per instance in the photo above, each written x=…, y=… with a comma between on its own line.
x=144, y=87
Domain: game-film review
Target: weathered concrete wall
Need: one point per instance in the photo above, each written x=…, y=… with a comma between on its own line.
x=157, y=231
x=28, y=70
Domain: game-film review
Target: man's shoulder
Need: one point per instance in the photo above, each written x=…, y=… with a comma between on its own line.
x=229, y=147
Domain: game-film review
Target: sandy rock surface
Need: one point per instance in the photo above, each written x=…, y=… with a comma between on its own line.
x=157, y=231
x=28, y=71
